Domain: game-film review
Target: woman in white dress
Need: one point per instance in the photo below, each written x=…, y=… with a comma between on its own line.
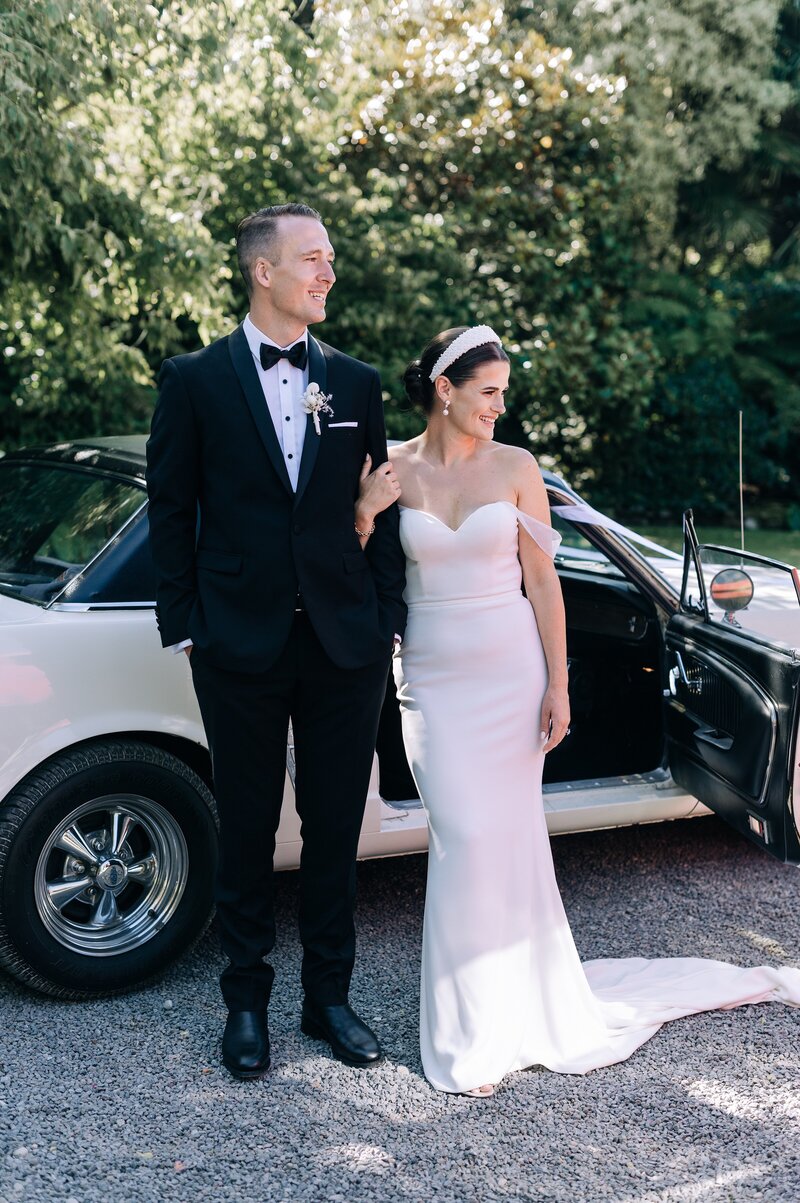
x=482, y=682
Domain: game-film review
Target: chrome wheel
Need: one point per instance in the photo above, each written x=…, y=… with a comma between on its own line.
x=111, y=875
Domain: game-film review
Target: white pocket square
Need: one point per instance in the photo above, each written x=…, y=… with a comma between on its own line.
x=339, y=425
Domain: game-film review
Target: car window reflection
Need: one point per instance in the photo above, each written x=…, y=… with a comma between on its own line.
x=576, y=553
x=53, y=521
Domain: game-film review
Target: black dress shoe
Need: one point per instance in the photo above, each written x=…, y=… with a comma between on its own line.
x=245, y=1044
x=351, y=1041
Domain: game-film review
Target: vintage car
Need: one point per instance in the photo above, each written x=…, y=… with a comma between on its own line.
x=683, y=683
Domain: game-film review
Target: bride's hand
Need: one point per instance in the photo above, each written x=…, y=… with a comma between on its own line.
x=555, y=717
x=377, y=490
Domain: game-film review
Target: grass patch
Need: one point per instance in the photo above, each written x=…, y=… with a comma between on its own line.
x=779, y=544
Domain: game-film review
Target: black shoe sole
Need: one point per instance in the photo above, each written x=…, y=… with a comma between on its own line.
x=316, y=1031
x=247, y=1075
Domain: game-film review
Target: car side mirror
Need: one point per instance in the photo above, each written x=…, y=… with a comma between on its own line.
x=731, y=590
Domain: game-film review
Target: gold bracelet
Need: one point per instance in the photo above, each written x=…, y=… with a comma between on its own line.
x=364, y=534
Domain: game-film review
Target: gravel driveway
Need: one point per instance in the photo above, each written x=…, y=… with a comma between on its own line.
x=124, y=1099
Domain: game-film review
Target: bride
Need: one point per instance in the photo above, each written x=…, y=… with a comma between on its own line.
x=481, y=678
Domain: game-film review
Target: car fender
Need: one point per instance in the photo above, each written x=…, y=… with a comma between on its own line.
x=71, y=677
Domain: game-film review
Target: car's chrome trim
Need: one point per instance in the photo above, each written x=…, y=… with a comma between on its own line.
x=739, y=553
x=660, y=777
x=794, y=774
x=691, y=555
x=85, y=607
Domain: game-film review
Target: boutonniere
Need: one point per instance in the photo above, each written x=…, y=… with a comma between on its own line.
x=316, y=403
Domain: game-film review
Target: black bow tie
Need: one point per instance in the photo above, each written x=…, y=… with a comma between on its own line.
x=297, y=355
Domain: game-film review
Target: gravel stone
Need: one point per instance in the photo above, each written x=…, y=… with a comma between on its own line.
x=125, y=1098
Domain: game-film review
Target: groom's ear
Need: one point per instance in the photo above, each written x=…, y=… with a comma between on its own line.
x=262, y=272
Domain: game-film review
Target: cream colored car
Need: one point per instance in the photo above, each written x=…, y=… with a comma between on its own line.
x=107, y=821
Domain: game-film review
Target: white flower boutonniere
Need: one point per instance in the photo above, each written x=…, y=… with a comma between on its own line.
x=316, y=403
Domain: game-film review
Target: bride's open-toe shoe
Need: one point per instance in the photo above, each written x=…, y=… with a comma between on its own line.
x=481, y=1092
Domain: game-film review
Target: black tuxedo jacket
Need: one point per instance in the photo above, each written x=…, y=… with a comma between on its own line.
x=233, y=545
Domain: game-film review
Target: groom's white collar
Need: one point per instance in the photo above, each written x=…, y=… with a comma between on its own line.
x=256, y=337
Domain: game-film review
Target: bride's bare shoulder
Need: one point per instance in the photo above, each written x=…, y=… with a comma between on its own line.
x=517, y=463
x=401, y=453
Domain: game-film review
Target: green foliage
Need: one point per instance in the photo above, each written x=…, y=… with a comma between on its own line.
x=486, y=182
x=614, y=187
x=700, y=87
x=711, y=112
x=106, y=263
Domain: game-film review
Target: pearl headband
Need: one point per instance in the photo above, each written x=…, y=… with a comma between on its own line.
x=476, y=336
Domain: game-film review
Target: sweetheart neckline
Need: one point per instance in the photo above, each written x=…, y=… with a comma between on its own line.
x=454, y=529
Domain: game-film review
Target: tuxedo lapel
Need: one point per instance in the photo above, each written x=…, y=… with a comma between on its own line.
x=317, y=374
x=245, y=369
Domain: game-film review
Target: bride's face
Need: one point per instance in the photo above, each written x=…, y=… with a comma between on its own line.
x=476, y=405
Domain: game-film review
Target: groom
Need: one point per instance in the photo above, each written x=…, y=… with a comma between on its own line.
x=267, y=581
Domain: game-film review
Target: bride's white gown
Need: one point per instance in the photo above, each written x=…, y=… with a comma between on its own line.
x=502, y=985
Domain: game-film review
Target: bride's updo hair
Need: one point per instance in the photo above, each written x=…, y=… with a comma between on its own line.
x=417, y=377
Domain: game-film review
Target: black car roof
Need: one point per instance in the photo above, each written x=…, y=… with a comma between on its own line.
x=125, y=454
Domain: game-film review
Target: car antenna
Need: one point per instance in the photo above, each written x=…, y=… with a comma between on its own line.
x=741, y=485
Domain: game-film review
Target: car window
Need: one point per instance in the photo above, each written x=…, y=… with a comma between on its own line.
x=748, y=593
x=53, y=521
x=576, y=552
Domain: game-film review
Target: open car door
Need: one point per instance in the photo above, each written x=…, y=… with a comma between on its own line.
x=733, y=670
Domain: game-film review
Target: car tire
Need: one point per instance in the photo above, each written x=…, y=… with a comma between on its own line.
x=138, y=828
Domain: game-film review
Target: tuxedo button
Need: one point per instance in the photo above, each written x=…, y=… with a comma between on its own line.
x=290, y=456
x=297, y=528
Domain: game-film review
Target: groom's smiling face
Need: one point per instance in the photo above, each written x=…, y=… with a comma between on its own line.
x=297, y=281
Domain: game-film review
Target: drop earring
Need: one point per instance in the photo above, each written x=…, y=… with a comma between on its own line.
x=446, y=409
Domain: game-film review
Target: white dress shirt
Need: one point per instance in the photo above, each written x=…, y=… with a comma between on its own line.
x=283, y=386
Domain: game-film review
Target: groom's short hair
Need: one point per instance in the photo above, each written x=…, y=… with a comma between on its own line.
x=257, y=236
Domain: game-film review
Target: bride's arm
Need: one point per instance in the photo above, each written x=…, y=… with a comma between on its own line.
x=378, y=490
x=544, y=593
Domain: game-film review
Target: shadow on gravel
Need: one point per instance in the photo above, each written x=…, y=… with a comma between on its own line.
x=124, y=1097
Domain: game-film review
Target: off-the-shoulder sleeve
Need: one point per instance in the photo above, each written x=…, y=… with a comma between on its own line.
x=541, y=532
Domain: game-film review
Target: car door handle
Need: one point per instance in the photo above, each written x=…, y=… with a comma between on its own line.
x=678, y=673
x=718, y=738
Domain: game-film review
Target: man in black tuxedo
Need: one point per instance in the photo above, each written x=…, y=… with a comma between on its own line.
x=281, y=575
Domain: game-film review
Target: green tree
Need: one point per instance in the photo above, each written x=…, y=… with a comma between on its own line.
x=107, y=262
x=711, y=114
x=487, y=182
x=614, y=187
x=699, y=86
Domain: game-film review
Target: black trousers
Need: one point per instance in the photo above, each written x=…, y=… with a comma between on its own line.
x=334, y=714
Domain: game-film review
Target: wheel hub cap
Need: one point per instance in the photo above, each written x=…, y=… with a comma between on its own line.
x=112, y=874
